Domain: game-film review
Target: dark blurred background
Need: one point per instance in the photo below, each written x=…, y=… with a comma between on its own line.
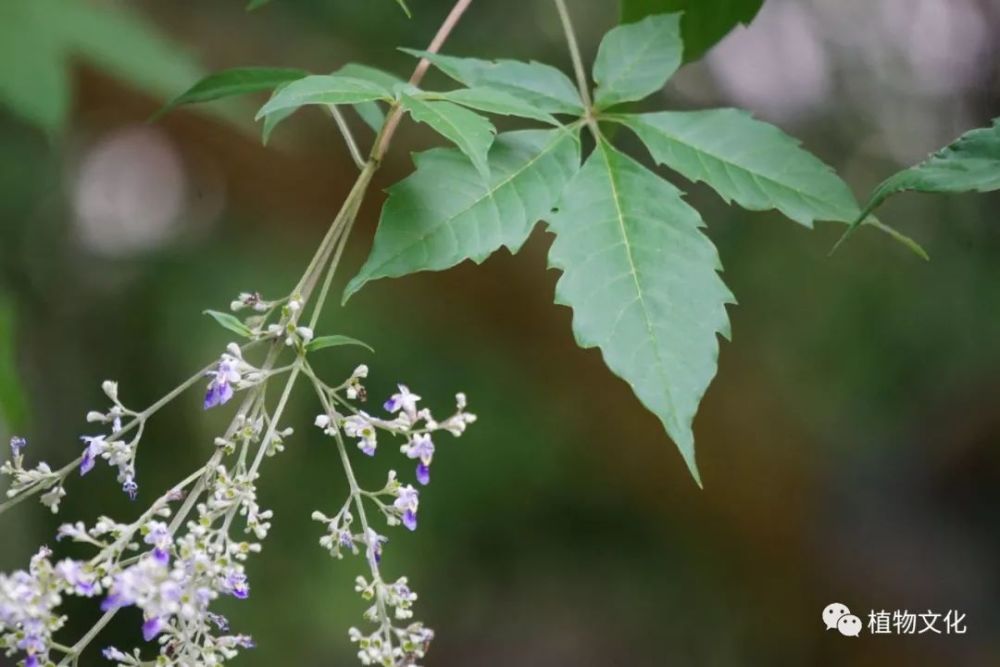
x=849, y=444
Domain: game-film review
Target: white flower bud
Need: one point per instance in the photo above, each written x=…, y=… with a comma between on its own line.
x=360, y=372
x=322, y=421
x=236, y=305
x=111, y=389
x=305, y=333
x=234, y=350
x=95, y=416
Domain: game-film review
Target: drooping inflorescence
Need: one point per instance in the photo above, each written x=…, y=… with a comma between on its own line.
x=189, y=547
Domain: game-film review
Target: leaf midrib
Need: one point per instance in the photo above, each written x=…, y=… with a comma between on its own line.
x=630, y=121
x=604, y=146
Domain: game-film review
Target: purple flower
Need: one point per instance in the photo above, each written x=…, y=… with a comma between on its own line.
x=421, y=447
x=111, y=653
x=220, y=621
x=17, y=443
x=95, y=447
x=220, y=389
x=236, y=585
x=114, y=601
x=160, y=539
x=404, y=400
x=359, y=426
x=73, y=573
x=346, y=539
x=374, y=542
x=32, y=661
x=423, y=473
x=152, y=628
x=130, y=488
x=406, y=503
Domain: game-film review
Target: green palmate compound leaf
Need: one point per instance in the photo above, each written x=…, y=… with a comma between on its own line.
x=745, y=160
x=544, y=86
x=445, y=213
x=970, y=164
x=635, y=60
x=491, y=100
x=470, y=132
x=236, y=81
x=324, y=89
x=335, y=341
x=230, y=322
x=642, y=280
x=704, y=22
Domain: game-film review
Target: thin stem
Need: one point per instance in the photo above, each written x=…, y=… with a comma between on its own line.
x=396, y=112
x=85, y=640
x=357, y=497
x=175, y=392
x=345, y=130
x=328, y=280
x=273, y=426
x=370, y=551
x=574, y=52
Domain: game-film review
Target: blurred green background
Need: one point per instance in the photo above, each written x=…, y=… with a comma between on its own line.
x=849, y=444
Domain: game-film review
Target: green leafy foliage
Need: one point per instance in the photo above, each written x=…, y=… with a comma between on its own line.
x=704, y=22
x=642, y=281
x=236, y=81
x=635, y=60
x=640, y=275
x=491, y=100
x=445, y=212
x=745, y=160
x=230, y=322
x=39, y=39
x=470, y=132
x=541, y=85
x=970, y=164
x=324, y=89
x=335, y=341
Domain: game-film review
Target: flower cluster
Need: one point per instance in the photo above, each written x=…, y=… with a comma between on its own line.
x=188, y=549
x=40, y=478
x=229, y=375
x=176, y=578
x=113, y=447
x=389, y=643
